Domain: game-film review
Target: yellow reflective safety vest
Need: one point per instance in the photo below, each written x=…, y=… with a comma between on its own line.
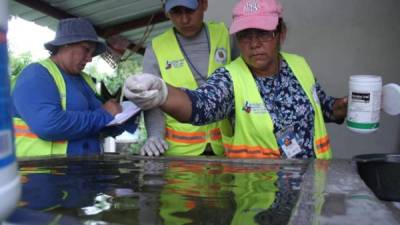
x=27, y=142
x=254, y=136
x=186, y=139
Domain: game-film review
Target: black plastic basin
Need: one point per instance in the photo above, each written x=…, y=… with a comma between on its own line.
x=381, y=173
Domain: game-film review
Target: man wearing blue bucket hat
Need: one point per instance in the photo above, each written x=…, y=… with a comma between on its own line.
x=184, y=56
x=56, y=109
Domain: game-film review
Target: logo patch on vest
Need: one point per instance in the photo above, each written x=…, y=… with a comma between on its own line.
x=174, y=64
x=220, y=55
x=257, y=108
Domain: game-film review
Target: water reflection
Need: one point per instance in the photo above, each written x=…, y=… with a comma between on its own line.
x=121, y=191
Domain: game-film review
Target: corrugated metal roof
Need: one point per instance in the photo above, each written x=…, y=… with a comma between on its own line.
x=105, y=14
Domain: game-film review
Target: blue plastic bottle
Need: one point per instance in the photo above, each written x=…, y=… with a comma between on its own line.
x=10, y=188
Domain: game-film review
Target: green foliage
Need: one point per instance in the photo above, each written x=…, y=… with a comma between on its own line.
x=113, y=81
x=18, y=62
x=130, y=66
x=93, y=70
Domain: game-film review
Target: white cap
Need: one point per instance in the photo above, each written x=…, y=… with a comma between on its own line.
x=391, y=99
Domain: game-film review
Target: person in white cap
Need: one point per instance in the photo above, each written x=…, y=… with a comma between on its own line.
x=56, y=109
x=276, y=106
x=185, y=56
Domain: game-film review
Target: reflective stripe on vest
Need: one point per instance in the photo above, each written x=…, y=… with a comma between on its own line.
x=24, y=131
x=186, y=139
x=191, y=137
x=252, y=118
x=322, y=145
x=27, y=142
x=215, y=134
x=246, y=151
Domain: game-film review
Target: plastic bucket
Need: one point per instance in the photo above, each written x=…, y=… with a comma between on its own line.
x=380, y=173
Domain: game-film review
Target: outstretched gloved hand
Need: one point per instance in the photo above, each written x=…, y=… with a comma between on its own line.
x=154, y=146
x=146, y=90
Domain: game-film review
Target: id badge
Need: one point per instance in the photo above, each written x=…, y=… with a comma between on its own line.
x=287, y=142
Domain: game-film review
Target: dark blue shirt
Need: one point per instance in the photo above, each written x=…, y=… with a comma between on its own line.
x=37, y=101
x=283, y=97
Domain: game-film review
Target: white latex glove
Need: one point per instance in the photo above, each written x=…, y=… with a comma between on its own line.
x=146, y=90
x=154, y=146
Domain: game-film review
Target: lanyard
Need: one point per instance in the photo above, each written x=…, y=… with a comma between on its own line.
x=187, y=57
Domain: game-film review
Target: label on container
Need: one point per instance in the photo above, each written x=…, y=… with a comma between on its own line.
x=360, y=97
x=368, y=102
x=364, y=109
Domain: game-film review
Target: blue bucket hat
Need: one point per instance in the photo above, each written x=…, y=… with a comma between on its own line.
x=191, y=4
x=73, y=30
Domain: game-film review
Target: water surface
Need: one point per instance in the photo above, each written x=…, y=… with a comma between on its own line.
x=119, y=190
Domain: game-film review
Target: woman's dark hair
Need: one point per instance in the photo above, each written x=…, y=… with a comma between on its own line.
x=281, y=26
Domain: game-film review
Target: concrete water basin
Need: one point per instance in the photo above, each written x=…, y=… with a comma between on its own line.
x=116, y=189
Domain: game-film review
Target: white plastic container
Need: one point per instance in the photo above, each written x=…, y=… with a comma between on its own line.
x=10, y=189
x=364, y=104
x=109, y=145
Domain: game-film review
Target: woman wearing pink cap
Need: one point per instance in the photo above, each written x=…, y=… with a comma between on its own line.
x=275, y=105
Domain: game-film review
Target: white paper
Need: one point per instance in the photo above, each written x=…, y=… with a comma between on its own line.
x=129, y=109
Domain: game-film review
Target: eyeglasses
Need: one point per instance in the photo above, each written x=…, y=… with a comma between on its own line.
x=246, y=36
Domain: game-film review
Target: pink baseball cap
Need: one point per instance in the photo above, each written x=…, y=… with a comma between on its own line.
x=259, y=14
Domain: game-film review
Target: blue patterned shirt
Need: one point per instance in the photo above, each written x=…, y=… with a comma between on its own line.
x=283, y=96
